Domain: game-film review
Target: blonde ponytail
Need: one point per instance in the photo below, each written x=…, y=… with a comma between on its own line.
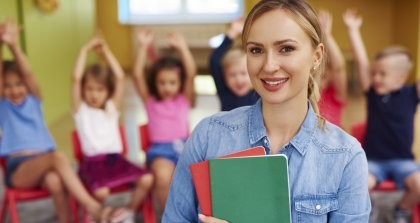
x=313, y=96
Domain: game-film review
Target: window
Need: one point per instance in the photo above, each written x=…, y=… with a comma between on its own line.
x=141, y=12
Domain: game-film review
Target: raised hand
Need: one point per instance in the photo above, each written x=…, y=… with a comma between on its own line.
x=325, y=20
x=177, y=40
x=10, y=33
x=352, y=19
x=145, y=37
x=236, y=27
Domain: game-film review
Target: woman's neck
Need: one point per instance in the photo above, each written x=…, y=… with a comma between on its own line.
x=283, y=122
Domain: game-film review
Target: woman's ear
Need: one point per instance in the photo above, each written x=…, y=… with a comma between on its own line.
x=318, y=54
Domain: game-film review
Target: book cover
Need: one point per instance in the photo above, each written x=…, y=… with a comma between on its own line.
x=201, y=177
x=250, y=189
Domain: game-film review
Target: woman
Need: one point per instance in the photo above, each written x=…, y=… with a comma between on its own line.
x=327, y=167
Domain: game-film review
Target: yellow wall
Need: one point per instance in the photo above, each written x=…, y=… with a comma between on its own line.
x=118, y=36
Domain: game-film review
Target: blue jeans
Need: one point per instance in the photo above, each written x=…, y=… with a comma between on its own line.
x=396, y=169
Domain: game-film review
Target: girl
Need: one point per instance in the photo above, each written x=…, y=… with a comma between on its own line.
x=285, y=55
x=168, y=96
x=26, y=144
x=97, y=95
x=333, y=83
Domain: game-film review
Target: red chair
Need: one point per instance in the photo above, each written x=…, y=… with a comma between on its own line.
x=12, y=196
x=147, y=208
x=358, y=131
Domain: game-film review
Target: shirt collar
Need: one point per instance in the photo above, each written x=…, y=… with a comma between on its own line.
x=257, y=130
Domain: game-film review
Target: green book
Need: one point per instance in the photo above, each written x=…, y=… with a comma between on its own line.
x=250, y=189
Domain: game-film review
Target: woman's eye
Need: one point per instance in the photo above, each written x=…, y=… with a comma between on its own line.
x=255, y=50
x=286, y=49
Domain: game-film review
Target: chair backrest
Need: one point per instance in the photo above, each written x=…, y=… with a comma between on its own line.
x=144, y=137
x=358, y=131
x=77, y=146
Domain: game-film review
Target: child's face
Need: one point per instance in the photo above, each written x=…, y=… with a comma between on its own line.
x=168, y=83
x=95, y=93
x=14, y=89
x=237, y=78
x=386, y=77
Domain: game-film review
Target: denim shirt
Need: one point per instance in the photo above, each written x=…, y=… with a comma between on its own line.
x=327, y=167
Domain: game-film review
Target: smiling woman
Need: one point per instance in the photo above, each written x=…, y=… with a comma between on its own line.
x=285, y=54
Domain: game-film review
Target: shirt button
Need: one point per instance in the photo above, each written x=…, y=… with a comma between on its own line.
x=265, y=141
x=318, y=207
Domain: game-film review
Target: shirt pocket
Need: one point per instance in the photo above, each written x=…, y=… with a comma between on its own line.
x=315, y=208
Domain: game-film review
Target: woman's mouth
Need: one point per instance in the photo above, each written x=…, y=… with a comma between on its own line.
x=274, y=84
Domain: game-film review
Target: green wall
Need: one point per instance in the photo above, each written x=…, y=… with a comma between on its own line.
x=52, y=42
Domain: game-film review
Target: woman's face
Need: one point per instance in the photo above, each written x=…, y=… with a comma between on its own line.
x=280, y=57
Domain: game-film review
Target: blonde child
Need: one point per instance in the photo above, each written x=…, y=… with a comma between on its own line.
x=167, y=93
x=229, y=72
x=333, y=84
x=96, y=95
x=391, y=108
x=26, y=144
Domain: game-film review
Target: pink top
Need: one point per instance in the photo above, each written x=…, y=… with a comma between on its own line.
x=168, y=119
x=330, y=107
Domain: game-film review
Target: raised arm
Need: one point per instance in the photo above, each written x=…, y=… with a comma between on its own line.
x=177, y=41
x=79, y=69
x=216, y=57
x=336, y=65
x=353, y=23
x=117, y=71
x=144, y=39
x=11, y=39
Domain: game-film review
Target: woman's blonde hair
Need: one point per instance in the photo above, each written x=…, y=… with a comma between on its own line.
x=306, y=17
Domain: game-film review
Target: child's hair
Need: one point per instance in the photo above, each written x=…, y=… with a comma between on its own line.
x=233, y=56
x=395, y=51
x=162, y=64
x=307, y=18
x=11, y=67
x=102, y=74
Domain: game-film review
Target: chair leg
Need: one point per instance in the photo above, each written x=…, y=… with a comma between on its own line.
x=14, y=216
x=416, y=214
x=3, y=208
x=148, y=210
x=74, y=209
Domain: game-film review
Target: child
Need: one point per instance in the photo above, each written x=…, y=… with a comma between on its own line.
x=26, y=144
x=168, y=95
x=97, y=95
x=228, y=68
x=333, y=83
x=390, y=122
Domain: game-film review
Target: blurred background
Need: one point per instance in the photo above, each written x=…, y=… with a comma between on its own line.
x=54, y=30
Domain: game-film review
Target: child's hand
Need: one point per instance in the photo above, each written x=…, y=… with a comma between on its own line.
x=10, y=33
x=94, y=44
x=352, y=19
x=177, y=40
x=325, y=20
x=207, y=219
x=236, y=27
x=145, y=37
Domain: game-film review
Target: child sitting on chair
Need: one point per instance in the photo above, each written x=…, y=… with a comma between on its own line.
x=96, y=95
x=26, y=144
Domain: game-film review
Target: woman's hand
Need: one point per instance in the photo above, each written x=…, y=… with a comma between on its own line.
x=208, y=219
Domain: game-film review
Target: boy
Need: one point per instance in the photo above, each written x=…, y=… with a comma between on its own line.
x=228, y=69
x=390, y=122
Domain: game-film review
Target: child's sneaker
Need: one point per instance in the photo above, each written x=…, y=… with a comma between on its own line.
x=401, y=215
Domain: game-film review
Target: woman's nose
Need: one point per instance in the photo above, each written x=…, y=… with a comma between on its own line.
x=270, y=63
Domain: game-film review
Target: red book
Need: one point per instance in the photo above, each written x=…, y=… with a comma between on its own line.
x=201, y=177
